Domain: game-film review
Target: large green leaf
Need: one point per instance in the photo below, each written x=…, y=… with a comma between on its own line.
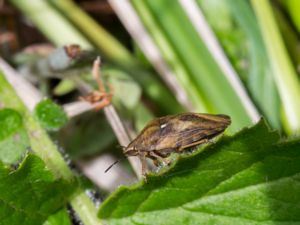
x=249, y=178
x=30, y=194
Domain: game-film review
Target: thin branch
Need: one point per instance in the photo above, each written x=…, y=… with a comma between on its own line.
x=76, y=108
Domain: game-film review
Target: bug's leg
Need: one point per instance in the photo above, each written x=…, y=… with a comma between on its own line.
x=211, y=141
x=160, y=157
x=142, y=157
x=154, y=160
x=203, y=141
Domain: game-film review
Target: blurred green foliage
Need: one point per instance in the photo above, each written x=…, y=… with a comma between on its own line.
x=260, y=42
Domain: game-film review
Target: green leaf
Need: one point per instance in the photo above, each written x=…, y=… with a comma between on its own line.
x=30, y=194
x=50, y=115
x=248, y=178
x=59, y=218
x=13, y=137
x=10, y=122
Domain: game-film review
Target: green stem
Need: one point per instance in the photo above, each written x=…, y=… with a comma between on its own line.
x=283, y=71
x=43, y=147
x=51, y=23
x=85, y=208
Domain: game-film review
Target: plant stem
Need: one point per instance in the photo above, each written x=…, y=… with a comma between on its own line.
x=85, y=208
x=283, y=71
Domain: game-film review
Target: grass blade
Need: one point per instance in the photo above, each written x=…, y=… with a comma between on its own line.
x=283, y=71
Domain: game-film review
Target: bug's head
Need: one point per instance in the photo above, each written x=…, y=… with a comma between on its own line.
x=130, y=151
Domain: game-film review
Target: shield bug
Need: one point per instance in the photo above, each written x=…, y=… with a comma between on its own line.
x=175, y=133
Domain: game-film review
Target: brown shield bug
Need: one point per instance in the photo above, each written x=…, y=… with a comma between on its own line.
x=175, y=133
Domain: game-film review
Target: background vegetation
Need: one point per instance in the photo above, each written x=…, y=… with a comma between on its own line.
x=239, y=58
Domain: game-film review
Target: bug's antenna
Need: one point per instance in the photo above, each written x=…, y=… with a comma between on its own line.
x=108, y=168
x=118, y=160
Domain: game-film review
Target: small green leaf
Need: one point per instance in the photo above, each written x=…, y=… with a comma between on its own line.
x=249, y=178
x=50, y=115
x=13, y=137
x=30, y=194
x=59, y=218
x=10, y=122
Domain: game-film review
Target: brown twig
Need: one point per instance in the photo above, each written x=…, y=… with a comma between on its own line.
x=111, y=116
